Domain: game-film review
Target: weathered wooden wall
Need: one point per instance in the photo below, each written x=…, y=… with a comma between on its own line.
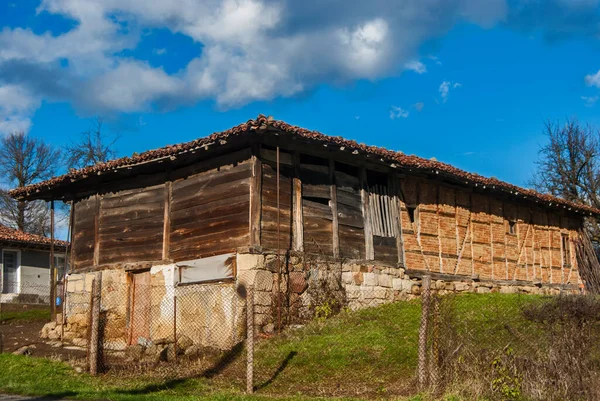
x=179, y=215
x=327, y=208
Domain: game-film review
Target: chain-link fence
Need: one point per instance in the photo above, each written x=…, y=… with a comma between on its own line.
x=510, y=346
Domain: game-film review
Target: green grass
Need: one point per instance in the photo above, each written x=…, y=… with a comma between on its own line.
x=34, y=314
x=371, y=353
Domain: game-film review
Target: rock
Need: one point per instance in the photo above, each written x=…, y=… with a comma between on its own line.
x=192, y=351
x=80, y=342
x=370, y=279
x=460, y=286
x=483, y=290
x=135, y=352
x=184, y=342
x=54, y=335
x=297, y=282
x=55, y=343
x=48, y=327
x=384, y=280
x=165, y=340
x=24, y=350
x=269, y=328
x=78, y=369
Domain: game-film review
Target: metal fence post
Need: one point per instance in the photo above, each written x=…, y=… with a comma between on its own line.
x=250, y=340
x=425, y=299
x=94, y=346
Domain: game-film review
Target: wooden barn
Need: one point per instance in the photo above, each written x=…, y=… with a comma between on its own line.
x=282, y=208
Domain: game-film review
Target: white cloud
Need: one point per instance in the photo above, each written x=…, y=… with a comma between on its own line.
x=593, y=79
x=398, y=112
x=445, y=87
x=419, y=106
x=16, y=108
x=160, y=51
x=416, y=66
x=590, y=101
x=251, y=49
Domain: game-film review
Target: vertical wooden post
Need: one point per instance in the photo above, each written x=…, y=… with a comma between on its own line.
x=97, y=232
x=250, y=340
x=52, y=264
x=255, y=197
x=175, y=324
x=298, y=219
x=334, y=212
x=425, y=300
x=439, y=228
x=167, y=219
x=397, y=205
x=364, y=195
x=72, y=236
x=94, y=346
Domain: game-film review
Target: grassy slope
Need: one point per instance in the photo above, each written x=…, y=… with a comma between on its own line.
x=368, y=353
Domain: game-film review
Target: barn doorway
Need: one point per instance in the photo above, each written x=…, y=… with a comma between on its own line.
x=140, y=308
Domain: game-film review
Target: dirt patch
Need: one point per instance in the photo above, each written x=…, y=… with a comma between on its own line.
x=21, y=326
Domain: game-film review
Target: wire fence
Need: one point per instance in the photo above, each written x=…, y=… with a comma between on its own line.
x=492, y=346
x=509, y=346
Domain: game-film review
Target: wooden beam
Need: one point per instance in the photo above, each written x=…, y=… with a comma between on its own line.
x=255, y=197
x=167, y=220
x=439, y=229
x=334, y=212
x=364, y=195
x=298, y=219
x=72, y=236
x=396, y=204
x=97, y=231
x=52, y=264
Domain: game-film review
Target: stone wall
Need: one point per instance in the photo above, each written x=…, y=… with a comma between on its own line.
x=308, y=281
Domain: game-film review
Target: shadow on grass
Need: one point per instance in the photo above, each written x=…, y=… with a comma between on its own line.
x=220, y=365
x=280, y=369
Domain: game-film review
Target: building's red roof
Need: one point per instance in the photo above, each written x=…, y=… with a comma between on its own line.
x=397, y=159
x=11, y=235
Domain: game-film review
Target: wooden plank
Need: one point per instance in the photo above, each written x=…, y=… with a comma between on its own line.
x=255, y=200
x=316, y=209
x=297, y=215
x=369, y=252
x=395, y=185
x=334, y=212
x=316, y=191
x=271, y=156
x=96, y=231
x=167, y=220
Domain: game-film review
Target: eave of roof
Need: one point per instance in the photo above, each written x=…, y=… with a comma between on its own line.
x=393, y=158
x=12, y=236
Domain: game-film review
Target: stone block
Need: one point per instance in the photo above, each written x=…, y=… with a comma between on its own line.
x=358, y=278
x=461, y=286
x=352, y=291
x=297, y=282
x=261, y=280
x=397, y=284
x=380, y=293
x=384, y=280
x=483, y=290
x=247, y=261
x=370, y=279
x=347, y=277
x=263, y=298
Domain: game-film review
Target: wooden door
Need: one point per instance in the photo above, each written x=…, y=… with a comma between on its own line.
x=140, y=309
x=10, y=284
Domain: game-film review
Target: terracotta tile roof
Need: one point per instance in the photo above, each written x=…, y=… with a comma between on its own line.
x=11, y=235
x=262, y=123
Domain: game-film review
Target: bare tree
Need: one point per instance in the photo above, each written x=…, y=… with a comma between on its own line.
x=569, y=166
x=92, y=148
x=23, y=161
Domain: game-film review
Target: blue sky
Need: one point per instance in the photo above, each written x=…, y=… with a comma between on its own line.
x=465, y=81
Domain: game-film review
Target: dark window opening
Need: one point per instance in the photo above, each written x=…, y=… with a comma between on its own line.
x=566, y=249
x=512, y=227
x=411, y=213
x=323, y=201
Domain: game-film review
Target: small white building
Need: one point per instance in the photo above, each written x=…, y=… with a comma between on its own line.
x=25, y=266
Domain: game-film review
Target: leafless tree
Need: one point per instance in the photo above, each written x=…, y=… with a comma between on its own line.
x=569, y=166
x=23, y=161
x=92, y=148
